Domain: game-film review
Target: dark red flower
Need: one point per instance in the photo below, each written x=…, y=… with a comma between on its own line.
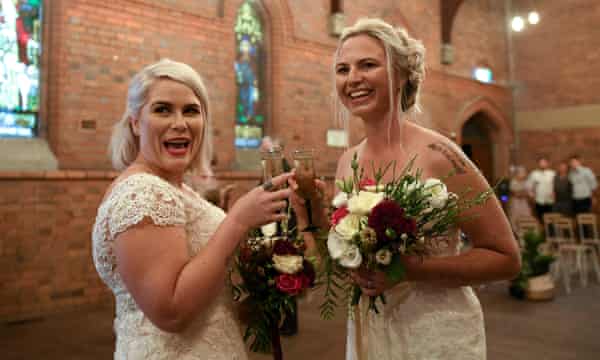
x=366, y=182
x=338, y=215
x=284, y=247
x=389, y=215
x=245, y=253
x=289, y=284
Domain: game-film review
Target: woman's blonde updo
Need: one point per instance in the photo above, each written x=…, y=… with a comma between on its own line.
x=405, y=57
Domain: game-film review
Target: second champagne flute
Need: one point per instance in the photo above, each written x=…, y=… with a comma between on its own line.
x=305, y=177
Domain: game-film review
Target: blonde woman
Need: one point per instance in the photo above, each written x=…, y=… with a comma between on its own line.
x=161, y=248
x=434, y=313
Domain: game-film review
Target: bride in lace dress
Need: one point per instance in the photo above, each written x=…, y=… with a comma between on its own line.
x=433, y=314
x=162, y=249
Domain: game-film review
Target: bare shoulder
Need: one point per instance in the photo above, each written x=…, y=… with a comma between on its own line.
x=442, y=154
x=444, y=157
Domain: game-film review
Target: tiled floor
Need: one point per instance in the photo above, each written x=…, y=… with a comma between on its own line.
x=563, y=329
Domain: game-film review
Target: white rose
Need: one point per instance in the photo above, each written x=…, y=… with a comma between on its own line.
x=336, y=245
x=351, y=258
x=438, y=191
x=287, y=264
x=269, y=229
x=348, y=226
x=383, y=256
x=363, y=202
x=340, y=200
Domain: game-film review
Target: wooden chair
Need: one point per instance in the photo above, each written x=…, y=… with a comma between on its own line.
x=587, y=226
x=526, y=224
x=549, y=220
x=573, y=257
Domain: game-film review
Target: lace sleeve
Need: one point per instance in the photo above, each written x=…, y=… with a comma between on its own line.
x=144, y=196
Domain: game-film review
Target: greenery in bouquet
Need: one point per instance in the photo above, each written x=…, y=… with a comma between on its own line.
x=272, y=271
x=374, y=224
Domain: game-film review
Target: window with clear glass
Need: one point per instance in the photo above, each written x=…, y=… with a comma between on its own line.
x=249, y=68
x=20, y=47
x=483, y=74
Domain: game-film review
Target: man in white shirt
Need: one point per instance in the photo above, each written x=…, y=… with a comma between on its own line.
x=584, y=183
x=541, y=185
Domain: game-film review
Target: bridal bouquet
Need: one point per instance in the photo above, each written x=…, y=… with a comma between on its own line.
x=373, y=224
x=273, y=270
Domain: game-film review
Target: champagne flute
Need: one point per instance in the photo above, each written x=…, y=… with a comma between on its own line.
x=272, y=165
x=305, y=178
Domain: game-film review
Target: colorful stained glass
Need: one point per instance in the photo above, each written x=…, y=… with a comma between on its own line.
x=20, y=47
x=250, y=56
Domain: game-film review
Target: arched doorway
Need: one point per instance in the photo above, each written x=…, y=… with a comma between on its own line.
x=484, y=133
x=477, y=142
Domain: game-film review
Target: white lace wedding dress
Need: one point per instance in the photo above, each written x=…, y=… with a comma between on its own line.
x=420, y=321
x=215, y=334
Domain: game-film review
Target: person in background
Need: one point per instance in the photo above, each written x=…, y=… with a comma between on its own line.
x=518, y=204
x=584, y=183
x=541, y=185
x=563, y=191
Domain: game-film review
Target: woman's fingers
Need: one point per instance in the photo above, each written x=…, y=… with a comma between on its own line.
x=277, y=206
x=293, y=183
x=280, y=180
x=320, y=184
x=282, y=194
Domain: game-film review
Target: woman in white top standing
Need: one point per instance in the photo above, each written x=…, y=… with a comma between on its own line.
x=434, y=314
x=162, y=249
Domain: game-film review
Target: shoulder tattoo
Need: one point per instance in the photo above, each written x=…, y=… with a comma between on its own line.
x=458, y=163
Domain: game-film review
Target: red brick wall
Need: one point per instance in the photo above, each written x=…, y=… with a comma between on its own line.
x=45, y=248
x=94, y=47
x=559, y=145
x=557, y=60
x=94, y=50
x=556, y=67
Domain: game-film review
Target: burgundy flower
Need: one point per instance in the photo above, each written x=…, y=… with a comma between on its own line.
x=289, y=284
x=245, y=253
x=338, y=215
x=366, y=182
x=284, y=247
x=389, y=215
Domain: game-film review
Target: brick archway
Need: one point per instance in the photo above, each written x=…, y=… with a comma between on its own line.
x=498, y=128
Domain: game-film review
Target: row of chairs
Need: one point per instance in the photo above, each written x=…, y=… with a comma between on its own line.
x=573, y=253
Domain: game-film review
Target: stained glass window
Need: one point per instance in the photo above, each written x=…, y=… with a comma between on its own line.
x=20, y=46
x=249, y=62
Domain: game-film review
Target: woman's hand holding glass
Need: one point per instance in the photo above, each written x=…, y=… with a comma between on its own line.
x=264, y=204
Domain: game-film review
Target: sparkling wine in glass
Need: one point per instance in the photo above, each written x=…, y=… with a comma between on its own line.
x=272, y=166
x=272, y=163
x=305, y=178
